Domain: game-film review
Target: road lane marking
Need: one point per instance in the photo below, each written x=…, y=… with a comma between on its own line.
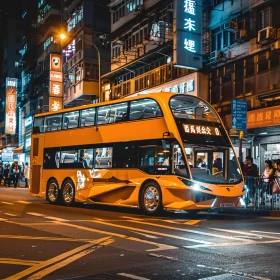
x=2, y=220
x=67, y=261
x=56, y=219
x=18, y=262
x=23, y=202
x=245, y=233
x=188, y=230
x=146, y=235
x=152, y=232
x=269, y=232
x=164, y=257
x=131, y=276
x=46, y=238
x=35, y=214
x=192, y=222
x=91, y=229
x=232, y=244
x=54, y=260
x=161, y=247
x=8, y=203
x=9, y=214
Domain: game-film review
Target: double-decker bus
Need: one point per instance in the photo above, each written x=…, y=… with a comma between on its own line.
x=155, y=151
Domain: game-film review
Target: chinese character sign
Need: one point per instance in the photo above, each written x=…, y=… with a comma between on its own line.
x=201, y=129
x=188, y=34
x=55, y=104
x=55, y=89
x=11, y=106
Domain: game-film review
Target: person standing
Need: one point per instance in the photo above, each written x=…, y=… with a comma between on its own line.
x=15, y=173
x=7, y=176
x=267, y=176
x=26, y=174
x=1, y=173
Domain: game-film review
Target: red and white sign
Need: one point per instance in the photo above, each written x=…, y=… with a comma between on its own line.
x=11, y=106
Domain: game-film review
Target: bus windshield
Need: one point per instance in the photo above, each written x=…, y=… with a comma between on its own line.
x=209, y=151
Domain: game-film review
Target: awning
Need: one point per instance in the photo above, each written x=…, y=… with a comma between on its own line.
x=18, y=150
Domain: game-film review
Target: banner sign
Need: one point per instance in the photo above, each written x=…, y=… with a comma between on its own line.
x=263, y=117
x=55, y=85
x=187, y=33
x=11, y=106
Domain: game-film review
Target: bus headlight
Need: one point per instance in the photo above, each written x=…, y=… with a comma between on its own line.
x=196, y=187
x=193, y=185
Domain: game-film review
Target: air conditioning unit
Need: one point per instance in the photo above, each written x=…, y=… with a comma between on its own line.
x=265, y=34
x=231, y=25
x=138, y=9
x=275, y=46
x=239, y=34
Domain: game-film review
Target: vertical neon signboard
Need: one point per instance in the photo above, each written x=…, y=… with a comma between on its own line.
x=188, y=34
x=11, y=106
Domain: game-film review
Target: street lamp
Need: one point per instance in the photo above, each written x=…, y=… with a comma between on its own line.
x=63, y=36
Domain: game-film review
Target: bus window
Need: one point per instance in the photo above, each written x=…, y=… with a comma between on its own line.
x=85, y=158
x=88, y=117
x=68, y=159
x=38, y=125
x=51, y=158
x=125, y=155
x=118, y=112
x=71, y=120
x=103, y=157
x=53, y=122
x=144, y=109
x=103, y=115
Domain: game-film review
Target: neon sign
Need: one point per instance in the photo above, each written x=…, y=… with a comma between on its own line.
x=201, y=129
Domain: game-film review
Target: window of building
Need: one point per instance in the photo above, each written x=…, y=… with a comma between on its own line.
x=144, y=109
x=88, y=117
x=47, y=42
x=76, y=17
x=265, y=18
x=71, y=120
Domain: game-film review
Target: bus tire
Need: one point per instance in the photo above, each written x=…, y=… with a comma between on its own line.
x=68, y=193
x=53, y=193
x=151, y=199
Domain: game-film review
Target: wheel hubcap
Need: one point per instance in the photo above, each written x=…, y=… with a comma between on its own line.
x=53, y=192
x=68, y=193
x=151, y=198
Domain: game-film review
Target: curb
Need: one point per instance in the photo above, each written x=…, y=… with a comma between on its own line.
x=252, y=211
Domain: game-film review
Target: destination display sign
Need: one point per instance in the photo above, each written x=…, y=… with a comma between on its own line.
x=201, y=129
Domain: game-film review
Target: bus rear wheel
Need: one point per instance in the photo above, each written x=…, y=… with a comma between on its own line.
x=151, y=201
x=53, y=196
x=68, y=193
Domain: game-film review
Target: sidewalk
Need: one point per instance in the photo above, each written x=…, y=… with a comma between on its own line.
x=21, y=185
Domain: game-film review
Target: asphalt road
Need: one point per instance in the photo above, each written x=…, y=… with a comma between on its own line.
x=42, y=241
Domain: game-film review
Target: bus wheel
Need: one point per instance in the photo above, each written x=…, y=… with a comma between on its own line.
x=151, y=198
x=53, y=192
x=68, y=193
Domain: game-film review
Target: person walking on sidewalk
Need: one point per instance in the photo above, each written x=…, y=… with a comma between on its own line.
x=267, y=177
x=26, y=174
x=1, y=173
x=15, y=173
x=7, y=176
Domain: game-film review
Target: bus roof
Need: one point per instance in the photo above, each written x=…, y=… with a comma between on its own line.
x=156, y=96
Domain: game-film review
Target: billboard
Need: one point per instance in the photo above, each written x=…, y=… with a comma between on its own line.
x=55, y=86
x=187, y=31
x=11, y=106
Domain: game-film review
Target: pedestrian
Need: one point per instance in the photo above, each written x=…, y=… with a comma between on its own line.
x=1, y=173
x=15, y=173
x=267, y=177
x=7, y=176
x=26, y=174
x=251, y=173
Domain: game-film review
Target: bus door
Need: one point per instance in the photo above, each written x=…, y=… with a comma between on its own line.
x=36, y=161
x=213, y=161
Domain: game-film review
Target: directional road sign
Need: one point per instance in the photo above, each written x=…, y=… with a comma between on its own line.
x=239, y=114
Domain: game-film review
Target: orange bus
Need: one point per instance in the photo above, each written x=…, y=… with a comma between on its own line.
x=155, y=151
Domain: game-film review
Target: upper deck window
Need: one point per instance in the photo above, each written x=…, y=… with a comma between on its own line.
x=112, y=113
x=190, y=107
x=71, y=120
x=53, y=122
x=144, y=109
x=88, y=117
